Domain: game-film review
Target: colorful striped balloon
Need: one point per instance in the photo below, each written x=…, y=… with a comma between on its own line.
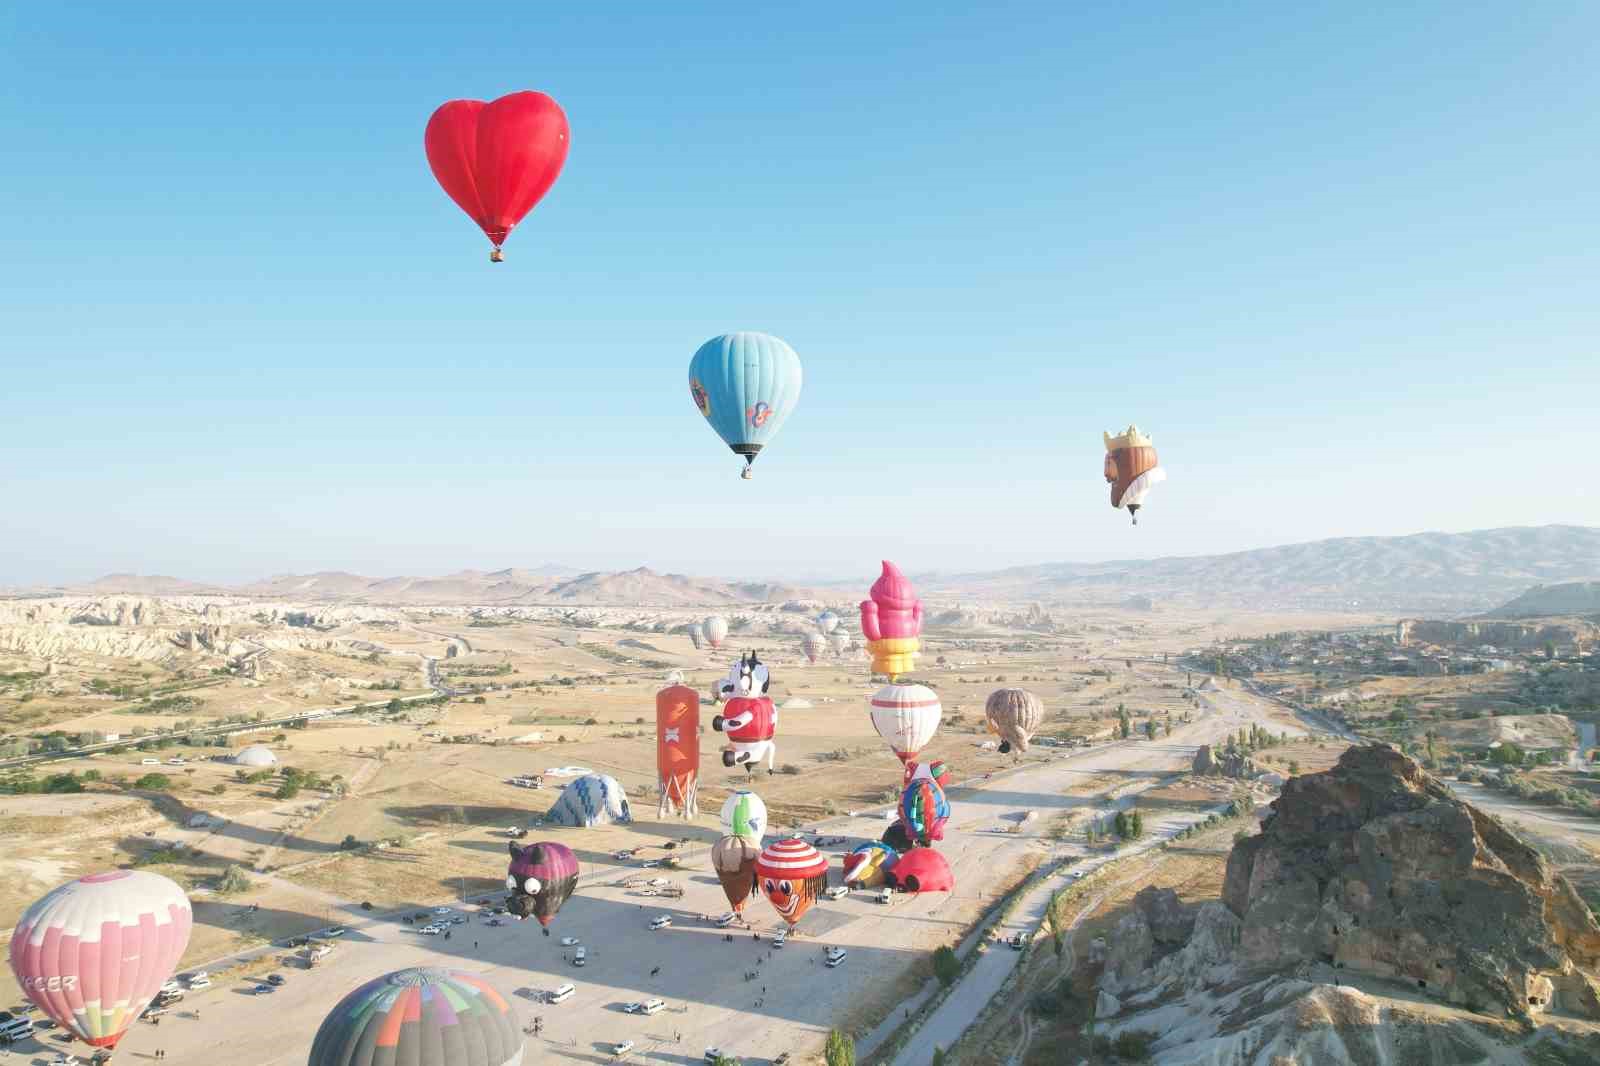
x=427, y=1016
x=793, y=874
x=94, y=952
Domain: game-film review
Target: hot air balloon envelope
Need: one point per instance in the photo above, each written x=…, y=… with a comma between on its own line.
x=678, y=751
x=746, y=385
x=92, y=953
x=1131, y=469
x=1014, y=714
x=734, y=860
x=744, y=815
x=827, y=621
x=421, y=1017
x=541, y=877
x=812, y=644
x=922, y=870
x=793, y=874
x=593, y=799
x=867, y=864
x=906, y=717
x=497, y=160
x=891, y=621
x=715, y=630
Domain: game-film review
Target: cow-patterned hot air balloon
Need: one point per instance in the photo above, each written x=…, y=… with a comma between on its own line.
x=541, y=877
x=891, y=620
x=678, y=751
x=906, y=717
x=715, y=630
x=1014, y=715
x=734, y=860
x=428, y=1016
x=1131, y=469
x=812, y=644
x=793, y=874
x=744, y=815
x=92, y=953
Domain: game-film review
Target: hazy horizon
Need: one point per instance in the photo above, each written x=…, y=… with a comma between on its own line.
x=1338, y=264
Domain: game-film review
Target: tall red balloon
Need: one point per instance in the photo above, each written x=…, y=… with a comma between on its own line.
x=497, y=160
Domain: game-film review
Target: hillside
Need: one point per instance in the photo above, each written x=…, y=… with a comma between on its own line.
x=546, y=584
x=1442, y=572
x=1552, y=601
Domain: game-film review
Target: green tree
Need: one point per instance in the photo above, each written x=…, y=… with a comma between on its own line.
x=946, y=966
x=232, y=882
x=1507, y=754
x=840, y=1049
x=154, y=782
x=1124, y=723
x=938, y=1055
x=1136, y=824
x=287, y=791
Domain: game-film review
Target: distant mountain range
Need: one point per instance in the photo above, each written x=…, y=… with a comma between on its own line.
x=545, y=584
x=1440, y=573
x=1425, y=572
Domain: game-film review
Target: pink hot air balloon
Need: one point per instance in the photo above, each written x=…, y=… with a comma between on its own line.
x=92, y=953
x=891, y=622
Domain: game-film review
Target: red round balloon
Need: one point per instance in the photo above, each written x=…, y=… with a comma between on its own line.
x=497, y=160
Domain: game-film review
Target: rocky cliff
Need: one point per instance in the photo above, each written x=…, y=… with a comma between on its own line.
x=1375, y=867
x=1507, y=636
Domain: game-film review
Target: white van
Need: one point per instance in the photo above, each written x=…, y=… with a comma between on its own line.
x=653, y=1006
x=836, y=956
x=15, y=1028
x=560, y=995
x=149, y=762
x=886, y=895
x=727, y=919
x=580, y=956
x=837, y=892
x=661, y=922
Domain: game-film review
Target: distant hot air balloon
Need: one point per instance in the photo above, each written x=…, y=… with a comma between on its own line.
x=1014, y=715
x=426, y=1016
x=812, y=644
x=497, y=160
x=793, y=874
x=734, y=860
x=92, y=953
x=541, y=877
x=715, y=630
x=746, y=385
x=827, y=621
x=922, y=870
x=891, y=621
x=1131, y=469
x=697, y=635
x=839, y=641
x=745, y=816
x=866, y=866
x=906, y=716
x=674, y=677
x=678, y=751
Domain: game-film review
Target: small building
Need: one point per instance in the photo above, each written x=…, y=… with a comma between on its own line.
x=257, y=755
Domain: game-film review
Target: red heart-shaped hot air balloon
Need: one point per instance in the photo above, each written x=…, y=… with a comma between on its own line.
x=497, y=160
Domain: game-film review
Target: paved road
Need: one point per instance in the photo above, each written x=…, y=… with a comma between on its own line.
x=700, y=976
x=1231, y=710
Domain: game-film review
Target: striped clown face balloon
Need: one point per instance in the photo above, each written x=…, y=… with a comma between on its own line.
x=792, y=874
x=94, y=952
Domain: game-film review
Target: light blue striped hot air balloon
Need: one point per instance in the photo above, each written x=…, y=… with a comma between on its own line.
x=745, y=384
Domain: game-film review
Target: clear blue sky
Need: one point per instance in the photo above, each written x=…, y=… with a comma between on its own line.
x=1341, y=263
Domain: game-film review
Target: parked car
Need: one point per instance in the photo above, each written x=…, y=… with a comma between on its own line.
x=1017, y=942
x=496, y=922
x=569, y=941
x=661, y=922
x=713, y=1054
x=199, y=980
x=650, y=864
x=781, y=938
x=275, y=979
x=337, y=930
x=837, y=892
x=149, y=762
x=580, y=957
x=429, y=930
x=619, y=1050
x=441, y=910
x=264, y=990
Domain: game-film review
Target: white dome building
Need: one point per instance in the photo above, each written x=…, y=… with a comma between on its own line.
x=256, y=755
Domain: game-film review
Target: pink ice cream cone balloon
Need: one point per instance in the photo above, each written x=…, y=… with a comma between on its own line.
x=891, y=622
